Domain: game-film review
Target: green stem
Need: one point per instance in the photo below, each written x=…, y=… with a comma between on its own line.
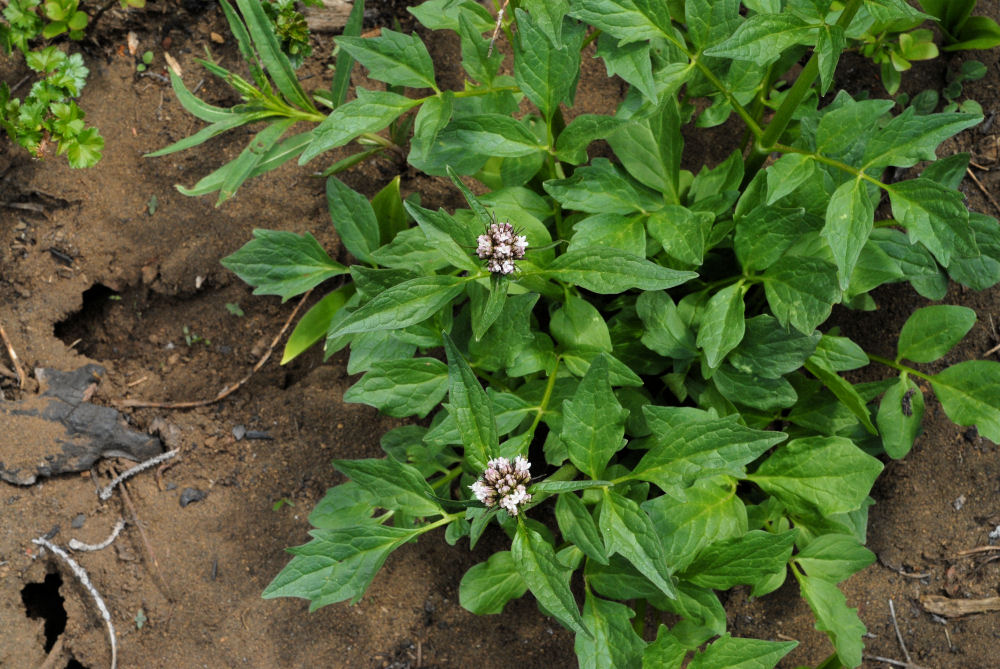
x=801, y=87
x=448, y=477
x=639, y=622
x=820, y=158
x=546, y=398
x=895, y=364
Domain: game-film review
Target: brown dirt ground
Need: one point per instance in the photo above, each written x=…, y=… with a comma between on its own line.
x=137, y=279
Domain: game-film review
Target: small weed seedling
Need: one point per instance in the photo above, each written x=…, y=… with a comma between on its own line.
x=633, y=352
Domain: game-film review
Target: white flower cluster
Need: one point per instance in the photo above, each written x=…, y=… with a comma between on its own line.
x=500, y=247
x=504, y=481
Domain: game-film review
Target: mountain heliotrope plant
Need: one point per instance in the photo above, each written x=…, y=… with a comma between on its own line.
x=637, y=384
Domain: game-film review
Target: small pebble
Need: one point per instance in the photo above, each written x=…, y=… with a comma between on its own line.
x=959, y=502
x=171, y=486
x=239, y=432
x=257, y=434
x=78, y=521
x=189, y=495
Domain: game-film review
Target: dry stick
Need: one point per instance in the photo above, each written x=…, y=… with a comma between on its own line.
x=55, y=655
x=150, y=555
x=899, y=637
x=75, y=545
x=13, y=357
x=496, y=29
x=979, y=549
x=228, y=390
x=81, y=575
x=105, y=492
x=988, y=195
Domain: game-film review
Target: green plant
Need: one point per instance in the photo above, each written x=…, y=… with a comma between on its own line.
x=632, y=352
x=926, y=101
x=961, y=29
x=48, y=113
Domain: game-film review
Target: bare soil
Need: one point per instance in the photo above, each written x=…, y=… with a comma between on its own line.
x=89, y=272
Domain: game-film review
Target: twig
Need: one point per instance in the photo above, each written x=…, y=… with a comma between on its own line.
x=150, y=555
x=13, y=357
x=895, y=663
x=55, y=655
x=979, y=183
x=105, y=492
x=228, y=390
x=496, y=28
x=899, y=637
x=81, y=575
x=75, y=545
x=978, y=549
x=992, y=351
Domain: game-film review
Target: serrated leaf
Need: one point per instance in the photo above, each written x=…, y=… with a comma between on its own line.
x=666, y=652
x=593, y=421
x=722, y=324
x=546, y=577
x=969, y=393
x=786, y=174
x=801, y=291
x=492, y=135
x=572, y=143
x=578, y=527
x=614, y=644
x=354, y=219
x=401, y=388
x=488, y=586
x=756, y=392
x=545, y=71
x=843, y=390
x=738, y=653
x=741, y=560
x=650, y=149
x=934, y=215
x=609, y=271
x=681, y=232
x=628, y=20
x=771, y=351
x=828, y=473
x=629, y=61
x=396, y=485
x=282, y=263
x=834, y=557
x=762, y=38
x=628, y=531
x=338, y=564
x=764, y=233
x=369, y=112
x=909, y=138
x=833, y=616
x=930, y=332
x=345, y=505
x=603, y=188
x=471, y=409
x=688, y=444
x=849, y=221
x=403, y=305
x=392, y=57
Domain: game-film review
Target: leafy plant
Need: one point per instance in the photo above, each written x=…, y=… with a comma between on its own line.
x=48, y=113
x=961, y=29
x=637, y=347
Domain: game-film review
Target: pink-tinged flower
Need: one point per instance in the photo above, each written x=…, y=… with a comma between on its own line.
x=504, y=483
x=499, y=246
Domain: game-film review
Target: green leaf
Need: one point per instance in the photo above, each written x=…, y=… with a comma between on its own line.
x=369, y=348
x=754, y=391
x=344, y=63
x=628, y=20
x=650, y=149
x=476, y=57
x=764, y=234
x=843, y=390
x=282, y=263
x=572, y=143
x=830, y=43
x=978, y=32
x=369, y=112
x=579, y=326
x=849, y=126
x=665, y=332
x=85, y=149
x=593, y=421
x=345, y=505
x=771, y=351
x=909, y=138
x=628, y=531
x=711, y=512
x=492, y=135
x=737, y=653
x=392, y=57
x=486, y=311
x=828, y=473
x=567, y=486
x=446, y=235
x=602, y=188
x=934, y=215
x=577, y=526
x=916, y=263
x=666, y=652
x=403, y=305
x=337, y=564
x=930, y=332
x=445, y=14
x=681, y=232
x=630, y=61
x=983, y=271
x=396, y=485
x=471, y=409
x=788, y=173
x=274, y=60
x=354, y=219
x=546, y=577
x=312, y=327
x=488, y=586
x=626, y=233
x=849, y=221
x=833, y=616
x=899, y=416
x=401, y=388
x=741, y=560
x=722, y=324
x=762, y=38
x=609, y=271
x=834, y=557
x=688, y=444
x=969, y=393
x=546, y=72
x=801, y=291
x=614, y=644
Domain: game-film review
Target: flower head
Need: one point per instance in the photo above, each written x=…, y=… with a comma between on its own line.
x=504, y=483
x=500, y=246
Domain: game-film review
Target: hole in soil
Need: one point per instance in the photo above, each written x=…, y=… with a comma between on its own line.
x=42, y=600
x=79, y=326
